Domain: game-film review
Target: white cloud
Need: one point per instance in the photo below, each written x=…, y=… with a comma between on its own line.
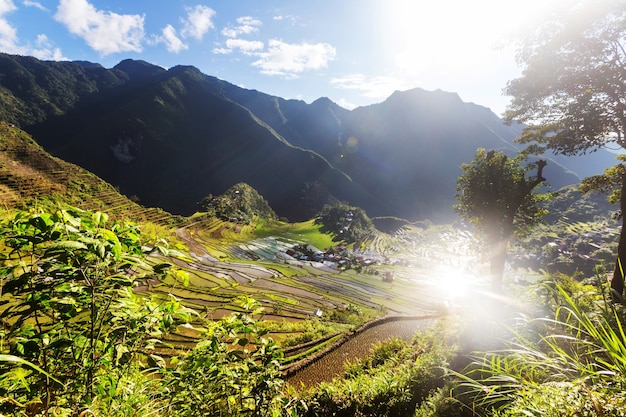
x=374, y=87
x=8, y=34
x=46, y=50
x=221, y=51
x=35, y=4
x=198, y=21
x=10, y=43
x=105, y=32
x=247, y=25
x=171, y=40
x=246, y=47
x=346, y=104
x=291, y=59
x=6, y=6
x=285, y=17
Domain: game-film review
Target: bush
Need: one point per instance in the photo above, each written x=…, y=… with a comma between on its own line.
x=392, y=381
x=233, y=371
x=70, y=310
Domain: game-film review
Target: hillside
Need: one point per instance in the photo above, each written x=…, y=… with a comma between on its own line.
x=172, y=137
x=30, y=177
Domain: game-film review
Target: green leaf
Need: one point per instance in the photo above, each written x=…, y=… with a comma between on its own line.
x=20, y=361
x=70, y=245
x=69, y=218
x=99, y=218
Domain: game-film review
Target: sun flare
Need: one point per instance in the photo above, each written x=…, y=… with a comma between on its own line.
x=452, y=283
x=453, y=34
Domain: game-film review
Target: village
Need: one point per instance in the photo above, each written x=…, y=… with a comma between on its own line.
x=341, y=258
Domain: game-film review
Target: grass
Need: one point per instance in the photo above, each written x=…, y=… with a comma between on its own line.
x=304, y=231
x=570, y=363
x=392, y=381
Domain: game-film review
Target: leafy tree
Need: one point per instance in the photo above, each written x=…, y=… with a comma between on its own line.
x=496, y=196
x=572, y=93
x=347, y=223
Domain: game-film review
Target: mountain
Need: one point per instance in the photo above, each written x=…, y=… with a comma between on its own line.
x=30, y=177
x=172, y=137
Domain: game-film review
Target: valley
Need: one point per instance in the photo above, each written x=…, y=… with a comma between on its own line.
x=138, y=248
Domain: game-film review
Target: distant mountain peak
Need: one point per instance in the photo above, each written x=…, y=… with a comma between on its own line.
x=421, y=94
x=178, y=135
x=323, y=100
x=88, y=64
x=139, y=68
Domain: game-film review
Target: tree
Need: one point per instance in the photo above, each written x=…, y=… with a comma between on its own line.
x=496, y=196
x=347, y=223
x=572, y=91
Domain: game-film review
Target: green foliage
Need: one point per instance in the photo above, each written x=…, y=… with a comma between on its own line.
x=348, y=224
x=570, y=92
x=70, y=309
x=353, y=314
x=238, y=204
x=571, y=364
x=305, y=331
x=233, y=371
x=609, y=183
x=495, y=195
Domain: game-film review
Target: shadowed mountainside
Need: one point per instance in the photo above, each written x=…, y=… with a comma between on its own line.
x=30, y=177
x=172, y=137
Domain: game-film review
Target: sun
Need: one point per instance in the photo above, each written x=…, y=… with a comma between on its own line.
x=452, y=283
x=453, y=35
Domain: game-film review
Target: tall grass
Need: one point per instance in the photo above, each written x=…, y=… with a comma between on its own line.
x=570, y=363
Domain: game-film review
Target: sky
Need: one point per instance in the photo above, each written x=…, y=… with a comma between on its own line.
x=355, y=52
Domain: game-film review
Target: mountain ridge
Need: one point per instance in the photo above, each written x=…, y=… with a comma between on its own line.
x=173, y=136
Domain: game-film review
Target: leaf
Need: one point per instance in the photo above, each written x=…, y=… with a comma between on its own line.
x=160, y=268
x=158, y=361
x=69, y=218
x=181, y=276
x=69, y=245
x=120, y=350
x=20, y=361
x=41, y=222
x=99, y=218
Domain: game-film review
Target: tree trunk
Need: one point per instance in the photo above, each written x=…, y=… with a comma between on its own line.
x=496, y=265
x=617, y=283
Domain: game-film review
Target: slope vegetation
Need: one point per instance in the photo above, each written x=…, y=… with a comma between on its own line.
x=29, y=177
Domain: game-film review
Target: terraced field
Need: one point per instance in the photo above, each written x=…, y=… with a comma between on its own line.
x=29, y=175
x=221, y=268
x=333, y=363
x=227, y=260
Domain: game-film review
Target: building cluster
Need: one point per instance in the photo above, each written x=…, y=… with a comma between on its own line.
x=338, y=257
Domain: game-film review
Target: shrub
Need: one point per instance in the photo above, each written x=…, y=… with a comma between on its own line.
x=69, y=308
x=233, y=371
x=392, y=381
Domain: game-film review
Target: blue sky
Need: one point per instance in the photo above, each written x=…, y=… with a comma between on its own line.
x=356, y=52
